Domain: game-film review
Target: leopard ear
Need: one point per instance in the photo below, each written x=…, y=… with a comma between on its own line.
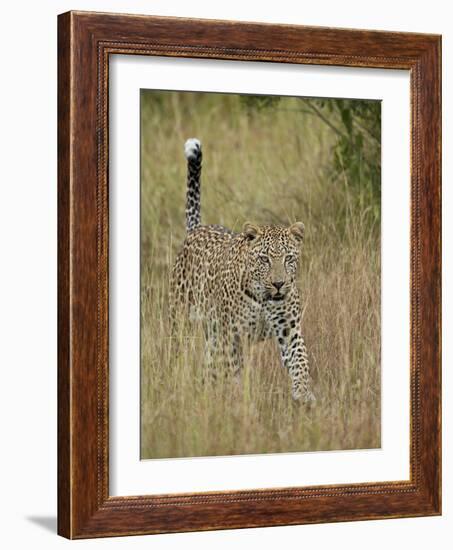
x=297, y=230
x=251, y=231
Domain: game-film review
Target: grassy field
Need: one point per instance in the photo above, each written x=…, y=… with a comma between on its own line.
x=269, y=165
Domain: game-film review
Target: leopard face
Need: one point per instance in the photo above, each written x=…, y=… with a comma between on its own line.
x=273, y=255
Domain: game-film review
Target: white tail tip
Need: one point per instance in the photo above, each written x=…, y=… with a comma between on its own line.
x=192, y=148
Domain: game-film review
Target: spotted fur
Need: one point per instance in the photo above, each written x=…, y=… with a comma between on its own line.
x=194, y=157
x=241, y=285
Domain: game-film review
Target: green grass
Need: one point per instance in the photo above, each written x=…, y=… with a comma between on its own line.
x=270, y=165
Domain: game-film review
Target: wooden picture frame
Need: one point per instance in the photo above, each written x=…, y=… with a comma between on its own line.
x=85, y=42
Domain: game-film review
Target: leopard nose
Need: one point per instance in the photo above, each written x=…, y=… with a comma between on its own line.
x=278, y=284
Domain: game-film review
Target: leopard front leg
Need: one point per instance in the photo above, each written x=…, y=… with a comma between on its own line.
x=286, y=325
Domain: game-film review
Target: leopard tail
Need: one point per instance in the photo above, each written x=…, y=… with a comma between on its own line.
x=192, y=149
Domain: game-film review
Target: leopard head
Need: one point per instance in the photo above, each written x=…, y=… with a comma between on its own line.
x=273, y=254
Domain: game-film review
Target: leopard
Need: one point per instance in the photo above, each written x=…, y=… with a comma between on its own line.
x=242, y=285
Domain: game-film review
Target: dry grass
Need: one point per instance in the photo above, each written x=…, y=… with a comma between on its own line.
x=269, y=166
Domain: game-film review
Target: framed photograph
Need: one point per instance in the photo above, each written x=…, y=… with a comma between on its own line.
x=249, y=275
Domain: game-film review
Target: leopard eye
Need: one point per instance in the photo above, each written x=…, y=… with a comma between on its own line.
x=264, y=259
x=290, y=258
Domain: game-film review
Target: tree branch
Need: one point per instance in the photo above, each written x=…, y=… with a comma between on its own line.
x=319, y=114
